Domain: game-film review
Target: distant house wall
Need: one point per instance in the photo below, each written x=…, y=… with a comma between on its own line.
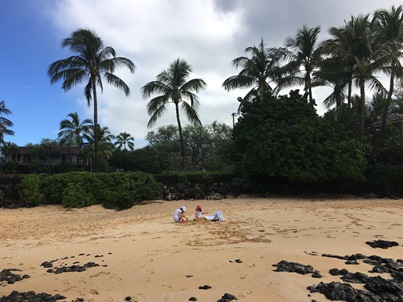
x=28, y=155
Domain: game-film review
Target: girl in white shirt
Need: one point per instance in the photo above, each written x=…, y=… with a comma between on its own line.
x=179, y=215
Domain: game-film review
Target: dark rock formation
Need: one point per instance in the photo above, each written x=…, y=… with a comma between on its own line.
x=293, y=267
x=227, y=298
x=67, y=269
x=31, y=296
x=8, y=276
x=336, y=291
x=383, y=244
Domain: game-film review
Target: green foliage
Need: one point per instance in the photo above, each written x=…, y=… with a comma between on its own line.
x=76, y=196
x=385, y=178
x=80, y=189
x=284, y=137
x=10, y=167
x=31, y=191
x=122, y=190
x=182, y=179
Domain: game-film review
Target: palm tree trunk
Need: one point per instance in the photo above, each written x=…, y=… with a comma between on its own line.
x=387, y=104
x=309, y=86
x=96, y=159
x=350, y=89
x=180, y=136
x=362, y=110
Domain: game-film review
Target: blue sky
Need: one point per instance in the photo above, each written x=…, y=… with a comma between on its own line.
x=29, y=45
x=207, y=34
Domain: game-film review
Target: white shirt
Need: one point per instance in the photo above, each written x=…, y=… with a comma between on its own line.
x=176, y=215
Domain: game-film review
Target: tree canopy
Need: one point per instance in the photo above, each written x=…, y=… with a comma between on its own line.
x=283, y=137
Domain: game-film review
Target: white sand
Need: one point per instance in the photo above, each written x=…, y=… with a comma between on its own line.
x=143, y=254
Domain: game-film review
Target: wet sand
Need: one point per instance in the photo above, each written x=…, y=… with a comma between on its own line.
x=144, y=255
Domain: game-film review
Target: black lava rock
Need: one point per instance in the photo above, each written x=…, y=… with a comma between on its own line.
x=31, y=296
x=8, y=276
x=227, y=298
x=383, y=244
x=293, y=267
x=336, y=291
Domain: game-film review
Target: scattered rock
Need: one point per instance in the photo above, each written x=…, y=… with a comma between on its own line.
x=192, y=299
x=8, y=276
x=383, y=244
x=67, y=269
x=227, y=297
x=16, y=296
x=336, y=291
x=293, y=267
x=205, y=287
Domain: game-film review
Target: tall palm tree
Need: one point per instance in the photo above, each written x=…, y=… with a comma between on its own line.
x=173, y=86
x=390, y=25
x=304, y=53
x=260, y=71
x=72, y=130
x=125, y=140
x=91, y=61
x=105, y=144
x=366, y=53
x=5, y=123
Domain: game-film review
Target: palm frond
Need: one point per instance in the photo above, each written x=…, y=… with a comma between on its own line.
x=117, y=82
x=191, y=113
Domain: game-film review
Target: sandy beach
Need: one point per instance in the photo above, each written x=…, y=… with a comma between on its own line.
x=142, y=255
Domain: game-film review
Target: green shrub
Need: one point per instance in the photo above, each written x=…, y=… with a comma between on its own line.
x=77, y=197
x=122, y=190
x=385, y=179
x=31, y=189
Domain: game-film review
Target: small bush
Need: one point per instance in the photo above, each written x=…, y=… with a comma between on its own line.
x=32, y=192
x=77, y=197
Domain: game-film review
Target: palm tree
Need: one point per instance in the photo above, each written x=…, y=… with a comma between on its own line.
x=105, y=144
x=305, y=53
x=91, y=60
x=391, y=32
x=4, y=122
x=260, y=71
x=173, y=86
x=125, y=140
x=366, y=54
x=71, y=131
x=333, y=73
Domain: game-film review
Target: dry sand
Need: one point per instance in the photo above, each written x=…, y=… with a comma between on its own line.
x=144, y=255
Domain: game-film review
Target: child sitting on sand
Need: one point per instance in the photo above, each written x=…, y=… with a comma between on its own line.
x=198, y=212
x=179, y=215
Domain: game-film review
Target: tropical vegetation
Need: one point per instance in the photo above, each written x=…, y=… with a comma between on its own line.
x=174, y=86
x=278, y=137
x=91, y=61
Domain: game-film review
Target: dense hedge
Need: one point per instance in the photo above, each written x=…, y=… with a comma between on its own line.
x=385, y=179
x=79, y=189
